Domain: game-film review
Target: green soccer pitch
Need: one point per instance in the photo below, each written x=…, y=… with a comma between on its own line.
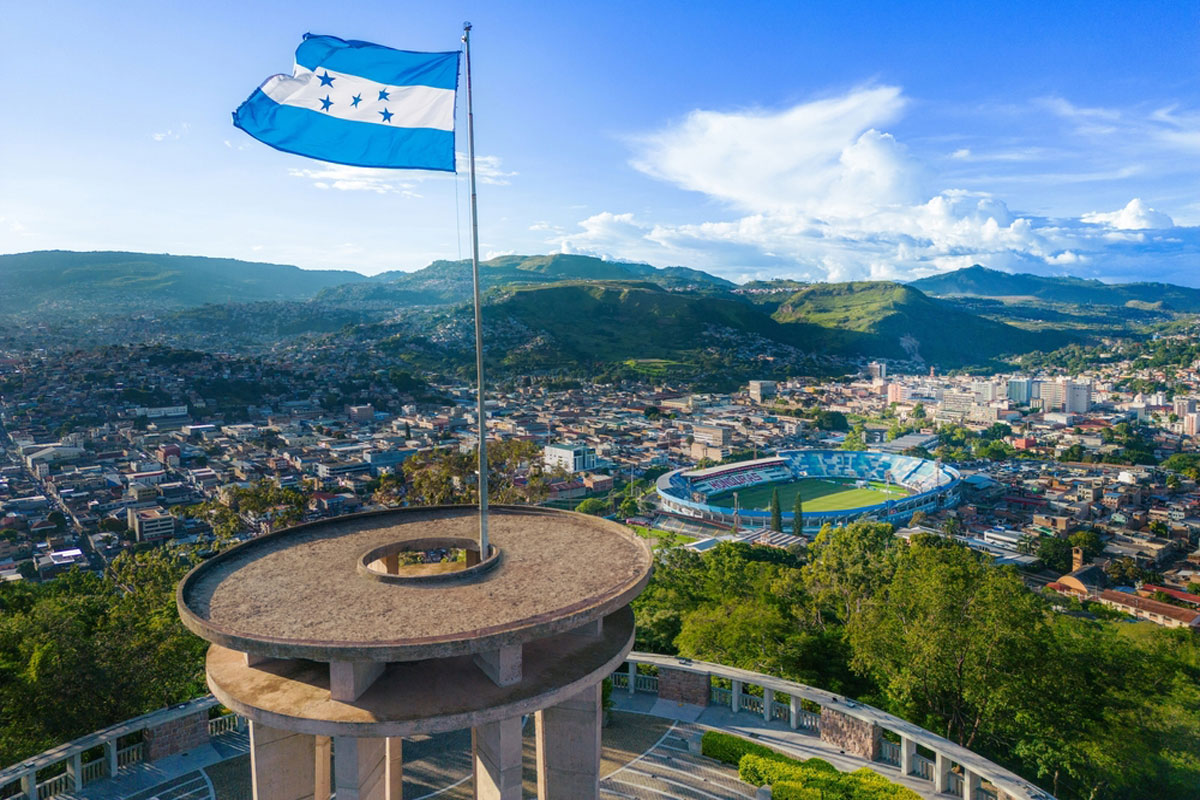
x=817, y=494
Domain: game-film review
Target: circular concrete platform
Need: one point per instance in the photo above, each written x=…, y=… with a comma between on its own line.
x=298, y=593
x=418, y=697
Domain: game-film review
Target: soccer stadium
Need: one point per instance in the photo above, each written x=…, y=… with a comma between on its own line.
x=835, y=486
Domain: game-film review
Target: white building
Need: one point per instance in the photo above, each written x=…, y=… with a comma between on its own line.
x=570, y=456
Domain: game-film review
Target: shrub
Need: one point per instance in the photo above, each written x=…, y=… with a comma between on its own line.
x=758, y=770
x=786, y=790
x=730, y=749
x=793, y=779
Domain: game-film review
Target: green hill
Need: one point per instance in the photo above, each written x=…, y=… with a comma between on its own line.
x=573, y=323
x=618, y=321
x=980, y=281
x=71, y=282
x=898, y=321
x=448, y=282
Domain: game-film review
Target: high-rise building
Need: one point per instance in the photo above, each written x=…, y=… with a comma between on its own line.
x=1077, y=397
x=1182, y=406
x=898, y=393
x=1020, y=390
x=1191, y=423
x=984, y=391
x=877, y=370
x=760, y=390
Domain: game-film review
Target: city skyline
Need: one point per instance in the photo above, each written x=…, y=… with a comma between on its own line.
x=875, y=144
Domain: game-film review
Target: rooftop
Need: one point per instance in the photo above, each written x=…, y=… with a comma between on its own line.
x=301, y=592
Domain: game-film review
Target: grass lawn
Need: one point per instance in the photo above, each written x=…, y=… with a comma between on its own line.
x=661, y=538
x=817, y=494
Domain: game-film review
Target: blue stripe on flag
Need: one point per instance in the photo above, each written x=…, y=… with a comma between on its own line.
x=357, y=144
x=378, y=63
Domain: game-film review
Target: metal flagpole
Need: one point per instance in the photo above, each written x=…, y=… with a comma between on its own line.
x=483, y=468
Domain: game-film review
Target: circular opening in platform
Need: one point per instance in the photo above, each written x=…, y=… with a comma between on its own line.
x=427, y=560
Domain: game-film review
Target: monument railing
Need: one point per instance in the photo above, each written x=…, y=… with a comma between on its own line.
x=62, y=769
x=854, y=728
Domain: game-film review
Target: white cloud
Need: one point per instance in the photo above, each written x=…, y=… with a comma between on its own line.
x=358, y=179
x=821, y=191
x=791, y=159
x=403, y=182
x=1135, y=216
x=172, y=134
x=487, y=169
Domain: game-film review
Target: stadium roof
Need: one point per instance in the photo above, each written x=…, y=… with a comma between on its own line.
x=722, y=468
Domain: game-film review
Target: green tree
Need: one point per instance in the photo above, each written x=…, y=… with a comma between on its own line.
x=798, y=515
x=628, y=508
x=846, y=566
x=776, y=513
x=1055, y=553
x=945, y=638
x=592, y=505
x=1088, y=540
x=918, y=411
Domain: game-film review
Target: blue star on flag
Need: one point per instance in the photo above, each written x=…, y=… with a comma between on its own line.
x=383, y=94
x=387, y=116
x=326, y=80
x=326, y=103
x=354, y=101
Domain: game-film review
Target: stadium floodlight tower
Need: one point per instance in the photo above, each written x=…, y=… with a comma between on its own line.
x=348, y=632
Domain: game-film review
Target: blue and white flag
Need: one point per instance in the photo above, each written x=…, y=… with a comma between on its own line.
x=360, y=104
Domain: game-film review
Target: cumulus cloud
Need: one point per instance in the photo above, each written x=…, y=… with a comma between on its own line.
x=823, y=191
x=404, y=182
x=1135, y=216
x=358, y=179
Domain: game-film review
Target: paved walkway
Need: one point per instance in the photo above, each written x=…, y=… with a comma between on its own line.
x=775, y=734
x=439, y=767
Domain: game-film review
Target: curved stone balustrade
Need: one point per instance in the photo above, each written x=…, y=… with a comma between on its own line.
x=853, y=727
x=841, y=723
x=164, y=732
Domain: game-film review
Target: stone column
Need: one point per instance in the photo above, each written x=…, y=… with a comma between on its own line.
x=281, y=764
x=29, y=785
x=632, y=678
x=323, y=767
x=110, y=752
x=497, y=751
x=971, y=785
x=735, y=697
x=768, y=699
x=941, y=773
x=908, y=749
x=394, y=775
x=358, y=768
x=794, y=712
x=568, y=748
x=75, y=770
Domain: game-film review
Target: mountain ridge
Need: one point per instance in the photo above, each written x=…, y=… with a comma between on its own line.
x=980, y=281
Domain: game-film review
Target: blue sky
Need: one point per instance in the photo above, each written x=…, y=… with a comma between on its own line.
x=819, y=141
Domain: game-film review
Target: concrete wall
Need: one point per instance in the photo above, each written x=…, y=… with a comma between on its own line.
x=849, y=734
x=177, y=735
x=684, y=687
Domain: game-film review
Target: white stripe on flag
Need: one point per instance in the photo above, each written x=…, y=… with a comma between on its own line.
x=408, y=106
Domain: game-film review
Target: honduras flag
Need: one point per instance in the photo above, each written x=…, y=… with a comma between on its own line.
x=360, y=104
